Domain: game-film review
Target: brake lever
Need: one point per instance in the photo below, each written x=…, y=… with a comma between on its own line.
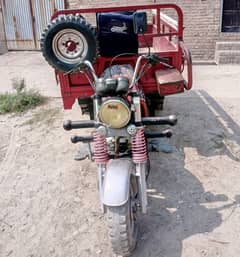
x=154, y=59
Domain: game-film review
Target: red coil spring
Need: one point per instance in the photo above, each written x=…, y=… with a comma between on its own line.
x=139, y=147
x=100, y=149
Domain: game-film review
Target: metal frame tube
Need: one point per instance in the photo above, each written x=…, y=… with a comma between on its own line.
x=101, y=168
x=142, y=185
x=136, y=70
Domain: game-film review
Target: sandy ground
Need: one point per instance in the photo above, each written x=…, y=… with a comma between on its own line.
x=49, y=203
x=30, y=66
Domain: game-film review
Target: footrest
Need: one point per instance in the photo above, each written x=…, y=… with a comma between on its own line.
x=169, y=81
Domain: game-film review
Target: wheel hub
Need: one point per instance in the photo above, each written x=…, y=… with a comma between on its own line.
x=71, y=46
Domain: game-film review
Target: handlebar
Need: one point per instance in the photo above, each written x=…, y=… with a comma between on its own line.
x=77, y=139
x=82, y=67
x=69, y=125
x=136, y=70
x=168, y=120
x=89, y=65
x=153, y=59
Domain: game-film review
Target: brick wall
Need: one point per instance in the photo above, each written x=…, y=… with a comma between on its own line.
x=3, y=47
x=201, y=20
x=74, y=4
x=104, y=3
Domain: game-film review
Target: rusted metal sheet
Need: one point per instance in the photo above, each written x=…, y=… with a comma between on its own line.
x=24, y=21
x=17, y=22
x=43, y=10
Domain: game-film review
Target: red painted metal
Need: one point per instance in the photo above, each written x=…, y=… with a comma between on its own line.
x=160, y=35
x=169, y=81
x=144, y=107
x=188, y=59
x=71, y=46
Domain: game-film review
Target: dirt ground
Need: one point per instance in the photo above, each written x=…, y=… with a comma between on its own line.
x=49, y=202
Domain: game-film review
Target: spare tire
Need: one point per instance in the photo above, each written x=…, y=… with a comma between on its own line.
x=67, y=41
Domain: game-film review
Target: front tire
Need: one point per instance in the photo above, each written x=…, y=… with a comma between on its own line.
x=122, y=227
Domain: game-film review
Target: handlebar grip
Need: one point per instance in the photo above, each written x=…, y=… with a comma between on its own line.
x=154, y=59
x=77, y=139
x=161, y=59
x=69, y=125
x=167, y=133
x=169, y=120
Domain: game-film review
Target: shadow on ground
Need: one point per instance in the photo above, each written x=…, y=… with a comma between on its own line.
x=177, y=199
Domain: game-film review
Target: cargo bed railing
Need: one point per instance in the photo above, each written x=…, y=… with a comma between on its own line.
x=160, y=20
x=164, y=37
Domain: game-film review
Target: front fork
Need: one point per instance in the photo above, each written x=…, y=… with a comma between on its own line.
x=137, y=166
x=141, y=170
x=139, y=158
x=140, y=173
x=101, y=169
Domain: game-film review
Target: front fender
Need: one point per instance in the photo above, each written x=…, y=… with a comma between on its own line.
x=116, y=182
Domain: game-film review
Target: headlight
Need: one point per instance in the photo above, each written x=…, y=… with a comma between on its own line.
x=115, y=113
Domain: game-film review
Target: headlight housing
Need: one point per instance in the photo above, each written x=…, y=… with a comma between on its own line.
x=115, y=113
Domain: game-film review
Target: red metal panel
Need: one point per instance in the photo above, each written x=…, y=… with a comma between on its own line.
x=160, y=36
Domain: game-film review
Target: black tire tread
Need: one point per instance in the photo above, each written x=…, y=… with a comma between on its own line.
x=118, y=221
x=64, y=19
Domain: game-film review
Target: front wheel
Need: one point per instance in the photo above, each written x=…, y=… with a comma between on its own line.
x=123, y=227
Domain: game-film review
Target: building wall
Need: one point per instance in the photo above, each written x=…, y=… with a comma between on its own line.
x=202, y=21
x=76, y=4
x=103, y=3
x=3, y=46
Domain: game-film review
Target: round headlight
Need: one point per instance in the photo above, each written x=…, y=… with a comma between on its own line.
x=115, y=113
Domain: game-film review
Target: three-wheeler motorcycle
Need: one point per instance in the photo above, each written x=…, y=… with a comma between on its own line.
x=119, y=70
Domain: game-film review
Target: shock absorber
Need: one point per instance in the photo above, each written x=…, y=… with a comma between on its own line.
x=139, y=147
x=100, y=149
x=100, y=153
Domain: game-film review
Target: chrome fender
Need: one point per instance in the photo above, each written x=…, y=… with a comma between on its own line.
x=116, y=182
